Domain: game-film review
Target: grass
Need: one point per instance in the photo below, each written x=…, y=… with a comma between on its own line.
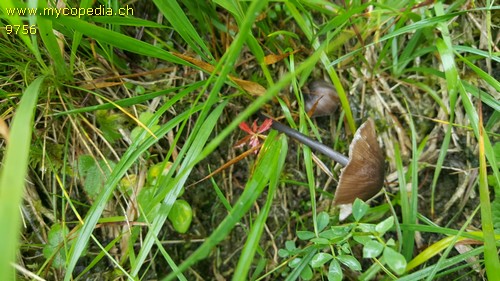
x=108, y=122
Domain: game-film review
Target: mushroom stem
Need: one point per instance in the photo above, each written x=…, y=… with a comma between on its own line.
x=315, y=145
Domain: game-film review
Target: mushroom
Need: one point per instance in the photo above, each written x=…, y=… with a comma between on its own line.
x=321, y=98
x=363, y=173
x=363, y=176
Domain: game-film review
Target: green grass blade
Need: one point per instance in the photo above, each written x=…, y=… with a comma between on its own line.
x=448, y=263
x=450, y=246
x=409, y=236
x=403, y=60
x=12, y=177
x=403, y=192
x=311, y=184
x=406, y=29
x=276, y=165
x=175, y=15
x=77, y=37
x=474, y=122
x=49, y=39
x=116, y=39
x=484, y=96
x=461, y=49
x=238, y=9
x=129, y=101
x=482, y=74
x=451, y=78
x=127, y=21
x=490, y=252
x=295, y=274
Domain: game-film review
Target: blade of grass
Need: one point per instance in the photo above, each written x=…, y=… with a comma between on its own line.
x=77, y=37
x=490, y=156
x=430, y=22
x=450, y=246
x=175, y=15
x=51, y=46
x=311, y=185
x=451, y=262
x=481, y=73
x=127, y=21
x=169, y=260
x=492, y=122
x=341, y=19
x=451, y=81
x=405, y=208
x=12, y=177
x=480, y=94
x=397, y=22
x=403, y=60
x=238, y=10
x=475, y=235
x=451, y=74
x=491, y=258
x=116, y=39
x=461, y=49
x=252, y=243
x=295, y=274
x=128, y=101
x=409, y=236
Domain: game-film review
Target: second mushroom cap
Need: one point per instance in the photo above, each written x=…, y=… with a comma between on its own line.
x=321, y=98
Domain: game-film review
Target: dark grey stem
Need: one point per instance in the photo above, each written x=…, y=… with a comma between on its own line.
x=315, y=145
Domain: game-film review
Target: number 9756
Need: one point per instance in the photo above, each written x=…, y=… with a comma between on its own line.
x=21, y=28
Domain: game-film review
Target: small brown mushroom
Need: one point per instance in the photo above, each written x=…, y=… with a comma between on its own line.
x=363, y=173
x=321, y=98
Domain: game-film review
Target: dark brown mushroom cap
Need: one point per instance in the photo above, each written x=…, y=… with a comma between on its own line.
x=363, y=176
x=321, y=98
